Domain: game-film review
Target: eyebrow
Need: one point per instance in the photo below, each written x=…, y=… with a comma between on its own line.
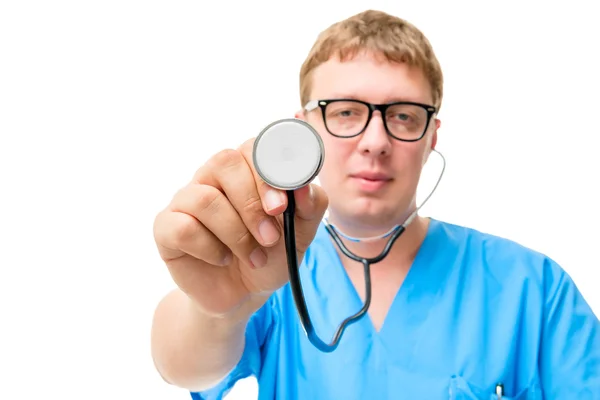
x=343, y=96
x=388, y=100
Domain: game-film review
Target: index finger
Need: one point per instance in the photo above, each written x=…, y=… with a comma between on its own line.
x=229, y=172
x=274, y=201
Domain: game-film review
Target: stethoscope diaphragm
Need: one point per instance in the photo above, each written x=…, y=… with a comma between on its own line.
x=288, y=154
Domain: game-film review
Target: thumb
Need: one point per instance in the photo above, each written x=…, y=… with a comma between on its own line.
x=311, y=204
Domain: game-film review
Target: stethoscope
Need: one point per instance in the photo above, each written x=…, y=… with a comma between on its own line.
x=288, y=154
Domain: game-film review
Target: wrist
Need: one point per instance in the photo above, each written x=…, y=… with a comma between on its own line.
x=223, y=325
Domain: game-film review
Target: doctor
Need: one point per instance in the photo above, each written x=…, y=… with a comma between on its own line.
x=455, y=313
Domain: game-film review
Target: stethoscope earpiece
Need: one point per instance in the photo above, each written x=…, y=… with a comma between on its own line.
x=288, y=154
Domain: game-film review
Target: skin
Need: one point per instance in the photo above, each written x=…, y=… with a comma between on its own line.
x=221, y=235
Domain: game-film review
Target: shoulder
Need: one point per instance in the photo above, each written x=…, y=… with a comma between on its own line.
x=505, y=260
x=496, y=253
x=529, y=299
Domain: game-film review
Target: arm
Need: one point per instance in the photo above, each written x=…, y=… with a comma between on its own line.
x=570, y=347
x=192, y=350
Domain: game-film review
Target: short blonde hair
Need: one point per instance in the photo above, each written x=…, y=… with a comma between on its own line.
x=394, y=38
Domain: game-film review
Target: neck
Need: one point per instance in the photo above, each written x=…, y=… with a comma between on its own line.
x=404, y=249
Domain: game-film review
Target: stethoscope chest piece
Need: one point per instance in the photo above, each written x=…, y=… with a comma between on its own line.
x=288, y=154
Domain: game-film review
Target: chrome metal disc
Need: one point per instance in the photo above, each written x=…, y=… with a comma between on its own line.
x=288, y=154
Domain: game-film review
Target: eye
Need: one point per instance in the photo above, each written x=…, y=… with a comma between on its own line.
x=403, y=117
x=406, y=115
x=344, y=113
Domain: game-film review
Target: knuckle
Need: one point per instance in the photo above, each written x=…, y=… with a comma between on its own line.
x=183, y=230
x=253, y=206
x=201, y=173
x=206, y=198
x=180, y=195
x=196, y=199
x=158, y=227
x=247, y=146
x=226, y=158
x=171, y=229
x=244, y=239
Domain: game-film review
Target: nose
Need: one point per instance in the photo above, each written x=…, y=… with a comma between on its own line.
x=375, y=141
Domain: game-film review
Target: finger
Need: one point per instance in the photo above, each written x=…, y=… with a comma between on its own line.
x=217, y=288
x=210, y=206
x=177, y=234
x=311, y=204
x=274, y=201
x=234, y=176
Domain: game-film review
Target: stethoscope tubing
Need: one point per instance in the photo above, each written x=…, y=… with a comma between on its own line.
x=294, y=273
x=295, y=282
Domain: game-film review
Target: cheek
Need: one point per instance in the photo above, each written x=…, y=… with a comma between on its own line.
x=409, y=163
x=335, y=164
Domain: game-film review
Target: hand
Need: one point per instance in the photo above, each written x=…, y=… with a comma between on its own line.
x=222, y=234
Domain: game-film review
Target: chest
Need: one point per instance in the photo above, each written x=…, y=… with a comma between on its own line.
x=427, y=339
x=385, y=284
x=415, y=362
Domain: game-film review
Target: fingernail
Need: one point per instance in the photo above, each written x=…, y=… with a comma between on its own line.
x=273, y=199
x=227, y=259
x=268, y=231
x=258, y=258
x=311, y=193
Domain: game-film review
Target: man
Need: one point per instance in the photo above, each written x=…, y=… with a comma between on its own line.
x=455, y=313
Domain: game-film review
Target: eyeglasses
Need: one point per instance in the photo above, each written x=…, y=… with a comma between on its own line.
x=346, y=118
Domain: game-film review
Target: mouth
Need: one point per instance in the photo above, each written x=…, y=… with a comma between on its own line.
x=371, y=182
x=372, y=176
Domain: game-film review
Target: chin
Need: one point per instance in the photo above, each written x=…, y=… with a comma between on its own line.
x=370, y=211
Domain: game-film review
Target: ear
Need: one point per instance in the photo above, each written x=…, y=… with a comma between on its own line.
x=300, y=115
x=434, y=136
x=433, y=142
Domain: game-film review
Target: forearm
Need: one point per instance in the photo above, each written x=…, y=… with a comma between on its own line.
x=192, y=350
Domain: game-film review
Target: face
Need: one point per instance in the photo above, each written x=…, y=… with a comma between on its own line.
x=371, y=179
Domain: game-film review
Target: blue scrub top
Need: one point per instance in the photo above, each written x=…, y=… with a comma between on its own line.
x=474, y=310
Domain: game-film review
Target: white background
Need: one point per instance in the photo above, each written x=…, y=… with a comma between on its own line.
x=107, y=107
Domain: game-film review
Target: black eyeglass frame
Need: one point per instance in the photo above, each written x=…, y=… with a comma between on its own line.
x=322, y=104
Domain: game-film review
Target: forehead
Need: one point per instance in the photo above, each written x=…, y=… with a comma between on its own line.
x=370, y=78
